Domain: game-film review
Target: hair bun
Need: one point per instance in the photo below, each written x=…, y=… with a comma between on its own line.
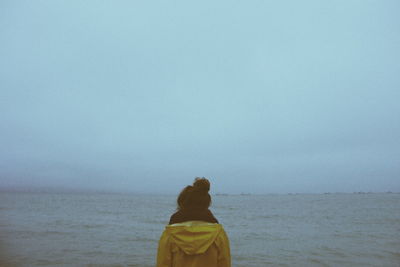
x=201, y=184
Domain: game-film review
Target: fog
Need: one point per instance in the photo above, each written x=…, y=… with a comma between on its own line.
x=143, y=96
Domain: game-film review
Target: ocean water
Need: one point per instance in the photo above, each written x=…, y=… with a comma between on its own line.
x=47, y=229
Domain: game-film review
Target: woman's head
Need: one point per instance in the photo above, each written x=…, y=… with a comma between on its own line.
x=196, y=195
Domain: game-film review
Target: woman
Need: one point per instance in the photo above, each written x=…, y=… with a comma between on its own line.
x=193, y=237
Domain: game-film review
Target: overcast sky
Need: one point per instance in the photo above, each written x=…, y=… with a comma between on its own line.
x=143, y=96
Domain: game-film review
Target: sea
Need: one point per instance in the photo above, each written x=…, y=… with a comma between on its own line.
x=103, y=229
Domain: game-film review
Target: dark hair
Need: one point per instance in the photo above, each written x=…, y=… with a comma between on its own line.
x=196, y=195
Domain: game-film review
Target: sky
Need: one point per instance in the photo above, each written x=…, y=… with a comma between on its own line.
x=257, y=96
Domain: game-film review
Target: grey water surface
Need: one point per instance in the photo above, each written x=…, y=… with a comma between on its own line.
x=77, y=229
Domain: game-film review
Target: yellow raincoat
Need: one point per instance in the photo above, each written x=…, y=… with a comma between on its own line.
x=194, y=244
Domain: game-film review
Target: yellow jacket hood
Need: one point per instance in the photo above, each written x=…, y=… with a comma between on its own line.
x=193, y=237
x=194, y=244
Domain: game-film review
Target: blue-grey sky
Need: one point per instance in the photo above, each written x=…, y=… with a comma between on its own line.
x=142, y=96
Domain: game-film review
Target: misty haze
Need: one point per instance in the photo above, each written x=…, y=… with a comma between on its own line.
x=109, y=109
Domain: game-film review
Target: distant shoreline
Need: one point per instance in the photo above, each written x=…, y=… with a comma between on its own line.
x=51, y=190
